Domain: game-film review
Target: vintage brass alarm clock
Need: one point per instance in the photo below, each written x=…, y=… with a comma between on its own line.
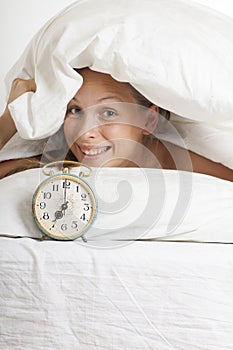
x=64, y=205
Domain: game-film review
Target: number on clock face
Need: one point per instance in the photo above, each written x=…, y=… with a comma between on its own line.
x=64, y=206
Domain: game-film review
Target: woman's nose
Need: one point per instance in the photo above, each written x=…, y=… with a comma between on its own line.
x=89, y=127
x=91, y=133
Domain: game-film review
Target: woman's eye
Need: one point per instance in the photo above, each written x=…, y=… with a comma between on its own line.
x=75, y=111
x=108, y=114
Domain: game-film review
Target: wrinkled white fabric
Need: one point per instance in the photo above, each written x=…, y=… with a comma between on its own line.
x=177, y=53
x=145, y=295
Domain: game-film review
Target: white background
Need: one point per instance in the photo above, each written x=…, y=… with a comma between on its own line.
x=19, y=21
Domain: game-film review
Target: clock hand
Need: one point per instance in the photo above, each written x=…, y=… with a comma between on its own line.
x=64, y=205
x=58, y=215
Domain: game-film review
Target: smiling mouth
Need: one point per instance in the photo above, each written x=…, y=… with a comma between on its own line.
x=95, y=151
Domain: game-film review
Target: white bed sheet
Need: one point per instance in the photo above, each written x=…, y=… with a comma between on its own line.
x=145, y=295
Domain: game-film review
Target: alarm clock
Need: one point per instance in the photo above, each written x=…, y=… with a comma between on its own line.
x=64, y=206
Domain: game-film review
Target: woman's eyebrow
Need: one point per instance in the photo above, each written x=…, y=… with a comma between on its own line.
x=75, y=99
x=111, y=97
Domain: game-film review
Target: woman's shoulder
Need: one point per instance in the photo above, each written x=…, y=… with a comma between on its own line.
x=166, y=153
x=206, y=166
x=171, y=156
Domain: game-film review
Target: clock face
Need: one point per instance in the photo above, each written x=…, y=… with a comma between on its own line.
x=64, y=207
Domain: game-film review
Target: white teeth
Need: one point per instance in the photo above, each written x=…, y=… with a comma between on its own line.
x=94, y=152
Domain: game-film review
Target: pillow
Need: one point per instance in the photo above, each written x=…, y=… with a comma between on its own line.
x=176, y=53
x=133, y=203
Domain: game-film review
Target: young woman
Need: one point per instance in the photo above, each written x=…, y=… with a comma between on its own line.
x=104, y=126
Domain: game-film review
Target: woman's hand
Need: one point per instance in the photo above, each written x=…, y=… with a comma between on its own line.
x=7, y=125
x=19, y=87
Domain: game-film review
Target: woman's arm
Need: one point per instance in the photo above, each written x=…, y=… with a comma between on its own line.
x=9, y=167
x=7, y=128
x=7, y=125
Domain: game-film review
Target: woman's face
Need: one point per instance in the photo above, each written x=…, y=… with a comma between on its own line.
x=104, y=125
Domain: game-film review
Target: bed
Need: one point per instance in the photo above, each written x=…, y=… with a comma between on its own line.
x=127, y=286
x=156, y=270
x=158, y=295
